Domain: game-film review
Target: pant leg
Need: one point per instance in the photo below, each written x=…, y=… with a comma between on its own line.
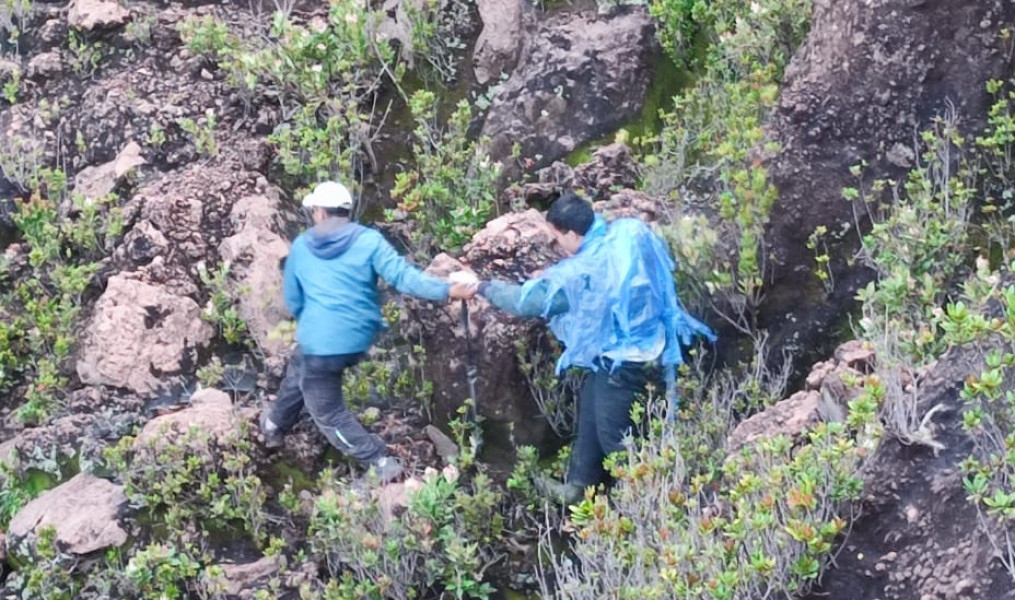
x=285, y=411
x=613, y=412
x=322, y=393
x=586, y=466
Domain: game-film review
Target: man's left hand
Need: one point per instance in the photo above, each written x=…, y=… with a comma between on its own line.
x=463, y=291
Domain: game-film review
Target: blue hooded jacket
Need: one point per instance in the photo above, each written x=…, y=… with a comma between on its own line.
x=614, y=298
x=330, y=286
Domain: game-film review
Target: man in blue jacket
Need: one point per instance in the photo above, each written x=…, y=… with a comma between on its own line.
x=613, y=304
x=330, y=286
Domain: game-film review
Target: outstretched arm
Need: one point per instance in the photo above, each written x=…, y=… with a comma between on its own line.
x=527, y=300
x=406, y=278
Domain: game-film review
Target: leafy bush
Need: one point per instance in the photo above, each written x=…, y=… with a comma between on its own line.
x=194, y=483
x=166, y=572
x=916, y=245
x=709, y=157
x=990, y=421
x=324, y=80
x=395, y=370
x=207, y=37
x=745, y=35
x=676, y=527
x=555, y=396
x=706, y=151
x=450, y=193
x=438, y=545
x=14, y=493
x=47, y=575
x=39, y=333
x=221, y=310
x=920, y=246
x=436, y=36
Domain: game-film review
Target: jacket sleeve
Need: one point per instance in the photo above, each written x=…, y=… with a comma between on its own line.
x=405, y=277
x=508, y=296
x=292, y=291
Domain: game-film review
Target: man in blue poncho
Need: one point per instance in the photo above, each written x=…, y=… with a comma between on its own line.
x=330, y=286
x=613, y=304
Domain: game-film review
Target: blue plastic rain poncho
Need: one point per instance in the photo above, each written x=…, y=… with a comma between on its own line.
x=622, y=300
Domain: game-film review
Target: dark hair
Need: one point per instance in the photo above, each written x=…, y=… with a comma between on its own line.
x=571, y=213
x=336, y=212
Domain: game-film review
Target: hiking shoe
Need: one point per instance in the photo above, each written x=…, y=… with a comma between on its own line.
x=559, y=492
x=269, y=431
x=385, y=468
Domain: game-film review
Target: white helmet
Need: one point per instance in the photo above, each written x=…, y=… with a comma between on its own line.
x=329, y=194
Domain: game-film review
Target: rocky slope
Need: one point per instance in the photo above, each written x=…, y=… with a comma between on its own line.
x=104, y=90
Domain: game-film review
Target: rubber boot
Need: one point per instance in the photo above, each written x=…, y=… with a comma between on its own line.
x=560, y=492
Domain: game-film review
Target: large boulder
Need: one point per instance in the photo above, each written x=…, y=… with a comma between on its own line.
x=611, y=168
x=210, y=412
x=829, y=388
x=83, y=511
x=578, y=78
x=512, y=247
x=244, y=579
x=140, y=334
x=96, y=14
x=255, y=254
x=500, y=41
x=95, y=183
x=868, y=76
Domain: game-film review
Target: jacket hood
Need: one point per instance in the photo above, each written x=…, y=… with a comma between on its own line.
x=332, y=237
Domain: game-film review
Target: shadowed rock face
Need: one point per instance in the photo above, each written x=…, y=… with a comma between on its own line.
x=868, y=78
x=578, y=78
x=916, y=535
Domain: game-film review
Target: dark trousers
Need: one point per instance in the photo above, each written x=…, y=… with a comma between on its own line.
x=316, y=382
x=604, y=418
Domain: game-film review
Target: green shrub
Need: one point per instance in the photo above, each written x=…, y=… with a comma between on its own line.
x=208, y=37
x=438, y=545
x=46, y=574
x=708, y=154
x=42, y=307
x=221, y=310
x=917, y=245
x=14, y=493
x=202, y=132
x=743, y=34
x=450, y=192
x=555, y=396
x=675, y=527
x=435, y=26
x=164, y=572
x=920, y=246
x=395, y=371
x=990, y=419
x=323, y=80
x=194, y=482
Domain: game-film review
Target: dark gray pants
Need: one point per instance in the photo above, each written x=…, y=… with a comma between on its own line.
x=316, y=382
x=604, y=418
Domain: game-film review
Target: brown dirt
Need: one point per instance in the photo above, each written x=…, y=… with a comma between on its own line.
x=916, y=537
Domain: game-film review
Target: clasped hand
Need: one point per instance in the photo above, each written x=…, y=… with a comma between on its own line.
x=464, y=285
